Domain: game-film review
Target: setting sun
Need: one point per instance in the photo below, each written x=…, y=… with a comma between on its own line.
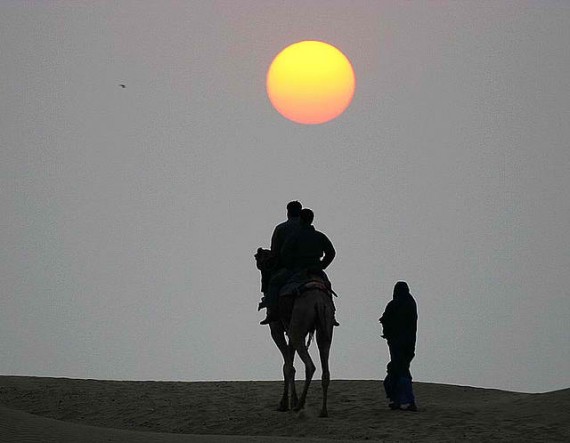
x=310, y=82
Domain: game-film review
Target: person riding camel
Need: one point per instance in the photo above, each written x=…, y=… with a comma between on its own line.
x=271, y=285
x=305, y=247
x=308, y=250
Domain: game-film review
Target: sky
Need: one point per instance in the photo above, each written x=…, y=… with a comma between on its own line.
x=129, y=216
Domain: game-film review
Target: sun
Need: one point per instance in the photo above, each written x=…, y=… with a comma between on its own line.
x=310, y=82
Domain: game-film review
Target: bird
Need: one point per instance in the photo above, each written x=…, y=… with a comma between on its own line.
x=123, y=86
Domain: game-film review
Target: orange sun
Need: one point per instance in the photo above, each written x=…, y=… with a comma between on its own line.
x=310, y=82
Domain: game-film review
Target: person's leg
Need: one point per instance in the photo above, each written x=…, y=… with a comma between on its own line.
x=272, y=296
x=406, y=393
x=389, y=384
x=399, y=370
x=393, y=370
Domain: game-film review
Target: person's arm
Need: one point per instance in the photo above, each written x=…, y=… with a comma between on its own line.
x=387, y=319
x=329, y=252
x=275, y=241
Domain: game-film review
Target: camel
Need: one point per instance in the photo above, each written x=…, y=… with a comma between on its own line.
x=313, y=311
x=309, y=312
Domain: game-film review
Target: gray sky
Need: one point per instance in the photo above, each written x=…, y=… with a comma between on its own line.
x=129, y=217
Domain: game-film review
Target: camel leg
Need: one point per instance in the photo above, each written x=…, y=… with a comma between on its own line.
x=324, y=349
x=309, y=371
x=302, y=318
x=288, y=353
x=294, y=398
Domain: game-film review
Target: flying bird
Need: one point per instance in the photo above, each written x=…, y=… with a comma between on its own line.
x=122, y=86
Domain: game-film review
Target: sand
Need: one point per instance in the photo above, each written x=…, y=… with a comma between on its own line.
x=34, y=409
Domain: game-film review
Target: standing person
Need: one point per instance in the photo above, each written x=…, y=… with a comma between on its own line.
x=399, y=327
x=279, y=275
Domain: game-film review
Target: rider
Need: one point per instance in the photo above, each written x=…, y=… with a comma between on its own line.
x=280, y=235
x=308, y=249
x=283, y=230
x=304, y=249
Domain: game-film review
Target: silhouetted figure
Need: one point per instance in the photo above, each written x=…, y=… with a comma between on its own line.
x=399, y=326
x=303, y=305
x=308, y=250
x=274, y=278
x=283, y=230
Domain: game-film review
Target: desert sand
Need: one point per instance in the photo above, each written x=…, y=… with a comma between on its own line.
x=35, y=409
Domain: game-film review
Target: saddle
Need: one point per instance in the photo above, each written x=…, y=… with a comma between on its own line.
x=299, y=283
x=303, y=281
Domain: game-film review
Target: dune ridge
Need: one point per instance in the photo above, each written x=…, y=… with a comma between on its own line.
x=137, y=411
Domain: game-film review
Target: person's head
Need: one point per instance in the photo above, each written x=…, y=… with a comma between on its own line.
x=294, y=209
x=401, y=289
x=307, y=216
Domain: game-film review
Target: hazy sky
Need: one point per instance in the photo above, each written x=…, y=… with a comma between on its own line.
x=130, y=216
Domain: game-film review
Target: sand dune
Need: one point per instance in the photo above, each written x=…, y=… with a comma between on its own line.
x=37, y=409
